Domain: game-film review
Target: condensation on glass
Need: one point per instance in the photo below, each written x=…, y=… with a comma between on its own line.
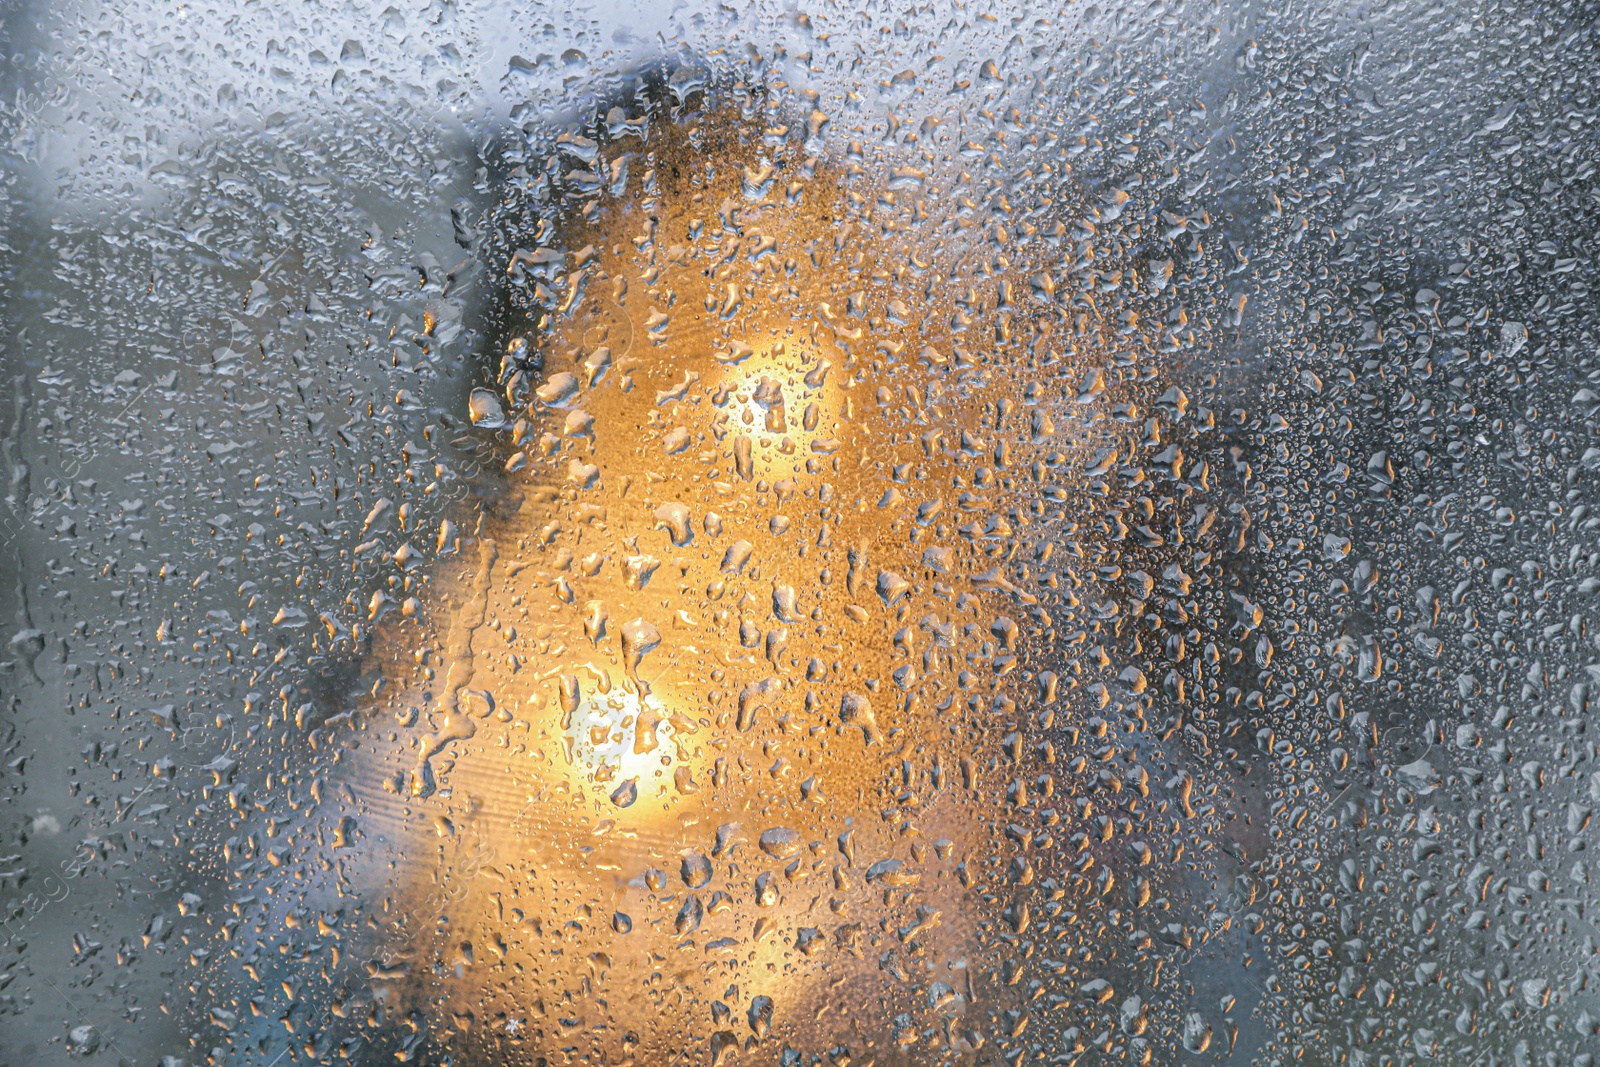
x=816, y=536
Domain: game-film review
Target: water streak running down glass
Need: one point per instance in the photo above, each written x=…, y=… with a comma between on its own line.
x=1049, y=534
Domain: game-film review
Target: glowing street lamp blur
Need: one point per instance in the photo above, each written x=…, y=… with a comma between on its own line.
x=734, y=657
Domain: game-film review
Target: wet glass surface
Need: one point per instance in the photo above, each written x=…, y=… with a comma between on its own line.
x=740, y=534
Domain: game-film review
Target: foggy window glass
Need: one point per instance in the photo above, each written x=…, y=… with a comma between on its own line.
x=799, y=534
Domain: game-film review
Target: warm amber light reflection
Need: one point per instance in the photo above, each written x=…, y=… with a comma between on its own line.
x=717, y=667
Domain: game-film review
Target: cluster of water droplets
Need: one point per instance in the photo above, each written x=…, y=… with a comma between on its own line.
x=1075, y=549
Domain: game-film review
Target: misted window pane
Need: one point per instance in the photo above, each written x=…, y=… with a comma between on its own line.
x=755, y=534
